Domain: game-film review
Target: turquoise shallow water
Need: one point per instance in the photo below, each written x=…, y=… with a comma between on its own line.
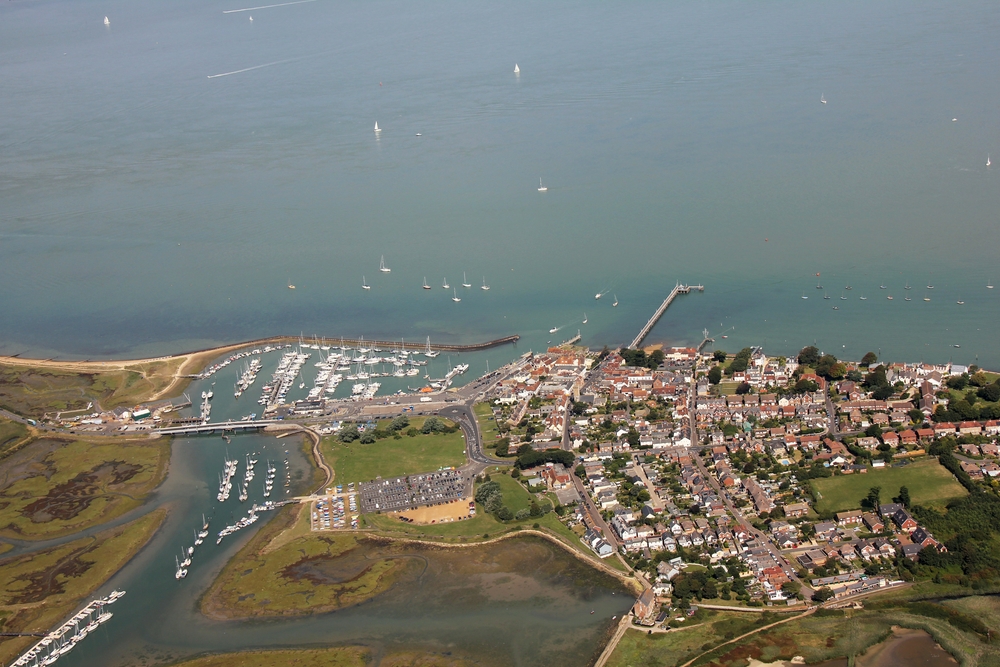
x=148, y=208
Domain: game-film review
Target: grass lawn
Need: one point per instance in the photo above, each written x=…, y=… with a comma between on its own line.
x=929, y=483
x=56, y=486
x=389, y=457
x=11, y=433
x=38, y=589
x=340, y=656
x=487, y=423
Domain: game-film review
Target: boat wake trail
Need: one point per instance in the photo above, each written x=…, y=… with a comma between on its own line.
x=248, y=69
x=251, y=9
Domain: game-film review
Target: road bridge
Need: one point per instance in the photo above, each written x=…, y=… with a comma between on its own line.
x=240, y=426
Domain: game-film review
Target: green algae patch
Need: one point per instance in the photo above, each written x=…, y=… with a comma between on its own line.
x=340, y=656
x=57, y=486
x=39, y=589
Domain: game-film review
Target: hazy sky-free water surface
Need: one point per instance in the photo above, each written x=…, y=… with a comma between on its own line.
x=148, y=208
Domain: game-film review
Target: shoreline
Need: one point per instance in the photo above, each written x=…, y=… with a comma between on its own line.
x=119, y=364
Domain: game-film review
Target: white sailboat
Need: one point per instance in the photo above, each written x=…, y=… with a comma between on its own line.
x=426, y=286
x=444, y=284
x=989, y=285
x=584, y=318
x=106, y=21
x=455, y=295
x=616, y=301
x=822, y=98
x=987, y=155
x=382, y=267
x=364, y=283
x=517, y=70
x=541, y=188
x=485, y=287
x=429, y=352
x=377, y=128
x=465, y=281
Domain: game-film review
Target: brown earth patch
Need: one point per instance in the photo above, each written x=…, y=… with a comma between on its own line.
x=325, y=570
x=68, y=499
x=47, y=582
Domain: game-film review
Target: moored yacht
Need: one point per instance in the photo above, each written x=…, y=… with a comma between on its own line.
x=485, y=287
x=426, y=286
x=364, y=283
x=382, y=267
x=465, y=281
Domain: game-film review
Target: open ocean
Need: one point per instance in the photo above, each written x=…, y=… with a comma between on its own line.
x=148, y=208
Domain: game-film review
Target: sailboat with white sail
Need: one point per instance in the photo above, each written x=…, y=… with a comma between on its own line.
x=382, y=267
x=455, y=296
x=485, y=287
x=377, y=128
x=364, y=283
x=465, y=281
x=426, y=286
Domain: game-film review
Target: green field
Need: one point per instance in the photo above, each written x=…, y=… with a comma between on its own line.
x=930, y=484
x=487, y=423
x=39, y=589
x=389, y=457
x=57, y=486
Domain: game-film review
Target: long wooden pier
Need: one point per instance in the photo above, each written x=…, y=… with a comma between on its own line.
x=678, y=289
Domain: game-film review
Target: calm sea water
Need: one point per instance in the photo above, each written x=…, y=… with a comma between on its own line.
x=147, y=208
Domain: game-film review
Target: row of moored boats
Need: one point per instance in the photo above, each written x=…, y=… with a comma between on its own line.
x=63, y=639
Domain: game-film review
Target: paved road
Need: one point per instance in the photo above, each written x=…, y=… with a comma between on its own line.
x=654, y=499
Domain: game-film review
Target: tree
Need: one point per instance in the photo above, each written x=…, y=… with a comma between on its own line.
x=979, y=379
x=822, y=594
x=504, y=514
x=903, y=498
x=581, y=472
x=990, y=392
x=656, y=358
x=715, y=374
x=805, y=386
x=535, y=509
x=503, y=446
x=828, y=367
x=719, y=355
x=869, y=359
x=367, y=438
x=399, y=423
x=348, y=433
x=809, y=355
x=874, y=431
x=882, y=393
x=873, y=499
x=959, y=382
x=743, y=388
x=916, y=415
